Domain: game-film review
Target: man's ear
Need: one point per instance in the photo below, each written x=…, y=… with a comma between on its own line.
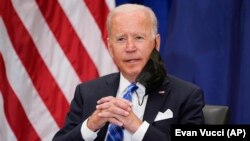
x=157, y=42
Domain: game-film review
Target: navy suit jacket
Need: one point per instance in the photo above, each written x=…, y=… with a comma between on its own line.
x=184, y=99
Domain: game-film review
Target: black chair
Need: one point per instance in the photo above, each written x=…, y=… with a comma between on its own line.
x=216, y=114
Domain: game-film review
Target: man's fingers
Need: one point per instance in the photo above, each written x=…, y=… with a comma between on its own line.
x=125, y=101
x=104, y=106
x=113, y=111
x=124, y=104
x=115, y=121
x=105, y=99
x=108, y=102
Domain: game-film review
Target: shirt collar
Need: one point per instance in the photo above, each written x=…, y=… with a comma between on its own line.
x=124, y=83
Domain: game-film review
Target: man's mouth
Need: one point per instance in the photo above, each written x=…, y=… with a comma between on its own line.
x=132, y=60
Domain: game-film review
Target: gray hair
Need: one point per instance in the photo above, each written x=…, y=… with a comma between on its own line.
x=131, y=7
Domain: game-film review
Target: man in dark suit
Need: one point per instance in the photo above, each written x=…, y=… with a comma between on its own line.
x=159, y=100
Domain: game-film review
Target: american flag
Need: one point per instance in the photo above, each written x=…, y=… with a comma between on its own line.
x=47, y=47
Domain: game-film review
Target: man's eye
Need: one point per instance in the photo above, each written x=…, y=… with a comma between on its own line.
x=139, y=38
x=120, y=39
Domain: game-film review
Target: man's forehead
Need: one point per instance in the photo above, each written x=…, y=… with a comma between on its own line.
x=131, y=14
x=129, y=21
x=135, y=22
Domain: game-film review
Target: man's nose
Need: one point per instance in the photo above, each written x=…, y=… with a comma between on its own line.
x=130, y=45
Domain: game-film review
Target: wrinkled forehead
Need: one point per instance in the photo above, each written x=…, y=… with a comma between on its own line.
x=133, y=20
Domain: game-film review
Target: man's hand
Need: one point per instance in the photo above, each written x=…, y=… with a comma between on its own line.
x=118, y=111
x=130, y=122
x=95, y=122
x=106, y=110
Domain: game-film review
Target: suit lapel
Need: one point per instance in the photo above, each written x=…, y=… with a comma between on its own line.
x=155, y=102
x=111, y=86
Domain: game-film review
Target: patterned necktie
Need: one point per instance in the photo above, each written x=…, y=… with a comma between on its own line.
x=115, y=133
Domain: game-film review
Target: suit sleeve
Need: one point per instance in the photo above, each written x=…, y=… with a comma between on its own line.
x=74, y=119
x=154, y=133
x=190, y=113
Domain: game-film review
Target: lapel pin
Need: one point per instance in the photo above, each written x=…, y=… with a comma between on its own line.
x=161, y=92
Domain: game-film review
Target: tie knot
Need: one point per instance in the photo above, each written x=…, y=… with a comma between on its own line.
x=131, y=88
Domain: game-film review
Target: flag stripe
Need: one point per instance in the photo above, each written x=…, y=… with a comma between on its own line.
x=22, y=86
x=13, y=108
x=73, y=48
x=47, y=48
x=89, y=34
x=7, y=134
x=110, y=4
x=99, y=12
x=35, y=66
x=47, y=45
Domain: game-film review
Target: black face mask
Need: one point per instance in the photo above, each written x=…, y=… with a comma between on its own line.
x=153, y=74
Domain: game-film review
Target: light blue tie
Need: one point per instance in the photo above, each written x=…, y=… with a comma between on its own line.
x=115, y=133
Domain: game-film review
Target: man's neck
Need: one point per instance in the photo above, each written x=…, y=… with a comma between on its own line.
x=130, y=79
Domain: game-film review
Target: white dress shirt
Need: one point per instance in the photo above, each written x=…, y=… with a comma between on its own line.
x=138, y=107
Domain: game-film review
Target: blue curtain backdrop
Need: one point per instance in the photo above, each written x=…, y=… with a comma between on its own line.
x=207, y=42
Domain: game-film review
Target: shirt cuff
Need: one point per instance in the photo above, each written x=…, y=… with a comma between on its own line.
x=141, y=131
x=88, y=134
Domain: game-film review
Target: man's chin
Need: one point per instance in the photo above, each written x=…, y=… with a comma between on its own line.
x=132, y=75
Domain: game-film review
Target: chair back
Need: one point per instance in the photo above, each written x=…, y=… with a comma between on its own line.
x=216, y=114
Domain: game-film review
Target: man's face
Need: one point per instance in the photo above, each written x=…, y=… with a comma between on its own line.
x=131, y=42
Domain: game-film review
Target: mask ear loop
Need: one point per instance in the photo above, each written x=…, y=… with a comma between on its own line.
x=140, y=102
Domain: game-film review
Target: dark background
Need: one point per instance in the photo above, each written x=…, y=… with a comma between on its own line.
x=207, y=42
